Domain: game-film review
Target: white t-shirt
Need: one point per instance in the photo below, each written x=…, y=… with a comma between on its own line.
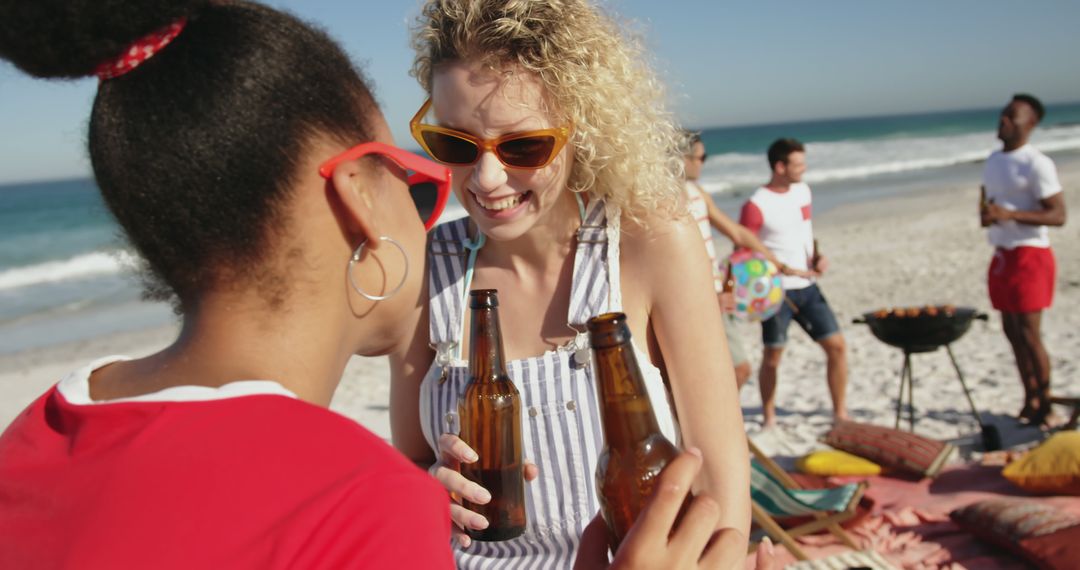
x=75, y=388
x=699, y=210
x=782, y=221
x=1018, y=180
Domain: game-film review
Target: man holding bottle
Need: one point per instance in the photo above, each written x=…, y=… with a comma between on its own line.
x=1021, y=198
x=779, y=213
x=709, y=216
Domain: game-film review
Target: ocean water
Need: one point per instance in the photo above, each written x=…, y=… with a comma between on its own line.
x=845, y=149
x=66, y=273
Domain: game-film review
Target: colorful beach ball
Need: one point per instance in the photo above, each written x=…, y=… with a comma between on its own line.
x=757, y=287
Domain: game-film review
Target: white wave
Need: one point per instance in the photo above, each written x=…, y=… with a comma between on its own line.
x=843, y=160
x=82, y=266
x=716, y=186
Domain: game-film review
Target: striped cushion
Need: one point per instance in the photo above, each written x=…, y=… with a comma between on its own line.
x=867, y=559
x=780, y=501
x=891, y=448
x=1043, y=535
x=1013, y=520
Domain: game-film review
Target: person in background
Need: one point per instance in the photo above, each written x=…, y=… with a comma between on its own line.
x=270, y=204
x=779, y=213
x=568, y=165
x=707, y=215
x=1022, y=197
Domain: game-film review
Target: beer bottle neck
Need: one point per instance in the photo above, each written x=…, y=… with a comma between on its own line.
x=625, y=407
x=486, y=360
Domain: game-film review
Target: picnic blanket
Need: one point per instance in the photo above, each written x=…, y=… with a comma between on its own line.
x=909, y=523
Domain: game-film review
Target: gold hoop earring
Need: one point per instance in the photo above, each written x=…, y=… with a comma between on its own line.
x=356, y=259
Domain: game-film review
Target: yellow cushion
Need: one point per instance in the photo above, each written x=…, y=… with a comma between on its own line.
x=835, y=462
x=1052, y=468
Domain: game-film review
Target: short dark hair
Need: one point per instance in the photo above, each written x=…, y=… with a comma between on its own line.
x=1033, y=102
x=196, y=150
x=781, y=149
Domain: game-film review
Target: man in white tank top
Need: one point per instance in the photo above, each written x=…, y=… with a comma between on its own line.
x=1021, y=197
x=708, y=216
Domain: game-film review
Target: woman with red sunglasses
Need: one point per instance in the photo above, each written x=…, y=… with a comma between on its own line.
x=222, y=139
x=287, y=248
x=569, y=167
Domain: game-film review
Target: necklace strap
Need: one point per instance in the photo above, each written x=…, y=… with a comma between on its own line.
x=473, y=246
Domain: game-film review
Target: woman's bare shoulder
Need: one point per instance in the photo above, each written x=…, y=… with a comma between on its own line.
x=657, y=234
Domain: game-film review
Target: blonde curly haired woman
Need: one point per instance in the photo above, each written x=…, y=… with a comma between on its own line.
x=568, y=165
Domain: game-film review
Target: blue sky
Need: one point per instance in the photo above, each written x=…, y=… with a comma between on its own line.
x=726, y=63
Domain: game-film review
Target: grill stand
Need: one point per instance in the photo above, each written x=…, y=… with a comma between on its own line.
x=991, y=438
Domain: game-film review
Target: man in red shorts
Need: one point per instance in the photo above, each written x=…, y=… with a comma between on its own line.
x=1021, y=198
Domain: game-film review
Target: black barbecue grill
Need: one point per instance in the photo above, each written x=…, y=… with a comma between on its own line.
x=926, y=329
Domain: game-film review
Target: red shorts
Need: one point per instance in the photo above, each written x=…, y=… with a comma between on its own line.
x=1022, y=279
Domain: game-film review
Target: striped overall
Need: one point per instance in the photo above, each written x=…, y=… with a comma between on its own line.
x=561, y=428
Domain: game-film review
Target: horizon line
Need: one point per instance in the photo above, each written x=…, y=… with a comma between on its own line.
x=89, y=175
x=873, y=116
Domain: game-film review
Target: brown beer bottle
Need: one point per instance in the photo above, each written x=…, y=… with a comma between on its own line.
x=490, y=412
x=729, y=279
x=634, y=449
x=815, y=258
x=983, y=204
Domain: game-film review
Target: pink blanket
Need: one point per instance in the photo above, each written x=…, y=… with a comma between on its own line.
x=910, y=524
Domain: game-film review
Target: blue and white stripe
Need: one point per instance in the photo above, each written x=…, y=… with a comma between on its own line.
x=561, y=431
x=780, y=501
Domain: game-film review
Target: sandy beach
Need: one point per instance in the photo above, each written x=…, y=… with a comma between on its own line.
x=925, y=247
x=917, y=247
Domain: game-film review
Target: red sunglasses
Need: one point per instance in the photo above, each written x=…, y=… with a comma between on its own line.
x=429, y=182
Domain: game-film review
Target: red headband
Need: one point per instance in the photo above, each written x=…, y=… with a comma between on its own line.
x=141, y=50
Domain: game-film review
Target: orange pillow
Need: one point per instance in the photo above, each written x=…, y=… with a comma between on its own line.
x=1052, y=468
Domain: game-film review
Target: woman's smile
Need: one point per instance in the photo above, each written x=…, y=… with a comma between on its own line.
x=504, y=206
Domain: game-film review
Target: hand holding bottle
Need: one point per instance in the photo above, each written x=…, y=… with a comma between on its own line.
x=818, y=262
x=656, y=541
x=984, y=219
x=727, y=301
x=453, y=452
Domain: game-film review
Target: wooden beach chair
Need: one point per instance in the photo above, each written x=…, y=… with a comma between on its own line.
x=774, y=494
